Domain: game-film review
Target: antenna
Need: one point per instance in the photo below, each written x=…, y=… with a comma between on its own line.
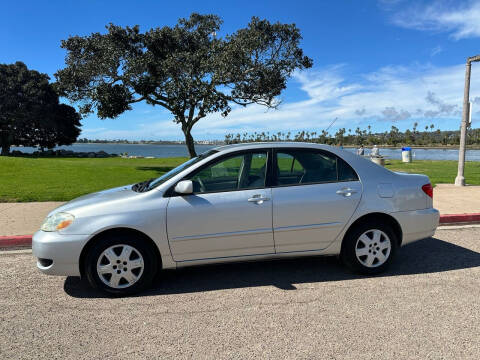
x=333, y=122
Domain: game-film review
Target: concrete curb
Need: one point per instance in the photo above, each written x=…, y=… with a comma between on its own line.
x=450, y=219
x=15, y=241
x=455, y=219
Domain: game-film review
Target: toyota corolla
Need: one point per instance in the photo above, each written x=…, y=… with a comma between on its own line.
x=237, y=203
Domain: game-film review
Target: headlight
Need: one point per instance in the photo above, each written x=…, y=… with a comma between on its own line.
x=57, y=222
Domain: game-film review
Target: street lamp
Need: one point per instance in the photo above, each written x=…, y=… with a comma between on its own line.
x=460, y=179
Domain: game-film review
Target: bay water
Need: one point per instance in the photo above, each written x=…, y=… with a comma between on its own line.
x=180, y=150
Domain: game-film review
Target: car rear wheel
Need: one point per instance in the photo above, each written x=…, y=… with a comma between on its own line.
x=369, y=248
x=120, y=265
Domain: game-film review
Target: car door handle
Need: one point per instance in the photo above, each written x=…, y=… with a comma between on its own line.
x=346, y=192
x=258, y=199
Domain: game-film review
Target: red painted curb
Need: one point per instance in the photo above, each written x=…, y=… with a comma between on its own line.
x=26, y=240
x=459, y=218
x=15, y=241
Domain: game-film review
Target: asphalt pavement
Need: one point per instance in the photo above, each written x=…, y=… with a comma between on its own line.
x=427, y=306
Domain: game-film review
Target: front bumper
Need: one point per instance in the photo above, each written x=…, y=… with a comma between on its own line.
x=63, y=251
x=417, y=224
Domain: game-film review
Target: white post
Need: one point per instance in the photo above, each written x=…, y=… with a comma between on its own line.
x=460, y=179
x=469, y=115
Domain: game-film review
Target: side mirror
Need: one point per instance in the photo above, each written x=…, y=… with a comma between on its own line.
x=184, y=187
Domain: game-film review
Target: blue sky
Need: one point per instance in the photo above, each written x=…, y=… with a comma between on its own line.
x=377, y=63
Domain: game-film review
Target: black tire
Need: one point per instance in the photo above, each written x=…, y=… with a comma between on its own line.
x=350, y=245
x=140, y=246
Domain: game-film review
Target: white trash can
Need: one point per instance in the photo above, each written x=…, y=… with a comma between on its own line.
x=406, y=154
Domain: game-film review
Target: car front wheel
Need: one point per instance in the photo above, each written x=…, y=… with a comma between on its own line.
x=369, y=248
x=120, y=265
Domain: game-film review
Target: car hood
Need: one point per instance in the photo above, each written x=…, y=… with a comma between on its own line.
x=118, y=193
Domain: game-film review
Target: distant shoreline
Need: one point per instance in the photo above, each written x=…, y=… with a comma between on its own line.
x=453, y=147
x=147, y=143
x=456, y=147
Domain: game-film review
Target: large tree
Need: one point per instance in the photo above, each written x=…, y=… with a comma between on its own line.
x=30, y=112
x=186, y=69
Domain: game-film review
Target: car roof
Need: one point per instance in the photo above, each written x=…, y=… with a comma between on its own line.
x=272, y=144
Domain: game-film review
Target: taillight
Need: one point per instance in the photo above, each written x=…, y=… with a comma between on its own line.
x=428, y=189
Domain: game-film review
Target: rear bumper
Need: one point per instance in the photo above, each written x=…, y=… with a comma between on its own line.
x=61, y=252
x=417, y=224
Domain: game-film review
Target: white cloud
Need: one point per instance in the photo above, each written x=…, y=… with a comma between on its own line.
x=393, y=115
x=436, y=50
x=400, y=94
x=461, y=20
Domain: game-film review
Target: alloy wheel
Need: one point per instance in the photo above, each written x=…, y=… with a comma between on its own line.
x=120, y=266
x=373, y=248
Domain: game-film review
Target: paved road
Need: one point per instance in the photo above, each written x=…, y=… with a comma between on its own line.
x=426, y=307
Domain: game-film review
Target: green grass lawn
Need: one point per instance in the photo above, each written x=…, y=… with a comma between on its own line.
x=62, y=179
x=439, y=172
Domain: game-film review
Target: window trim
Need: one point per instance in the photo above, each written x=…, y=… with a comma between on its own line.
x=270, y=177
x=170, y=192
x=274, y=179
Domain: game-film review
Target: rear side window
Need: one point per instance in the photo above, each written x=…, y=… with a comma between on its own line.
x=294, y=167
x=345, y=171
x=290, y=171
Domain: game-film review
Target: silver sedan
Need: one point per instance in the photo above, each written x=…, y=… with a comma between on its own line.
x=238, y=203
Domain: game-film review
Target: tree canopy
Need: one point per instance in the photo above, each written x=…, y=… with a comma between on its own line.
x=30, y=112
x=187, y=69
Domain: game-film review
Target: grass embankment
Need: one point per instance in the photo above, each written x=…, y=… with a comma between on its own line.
x=62, y=179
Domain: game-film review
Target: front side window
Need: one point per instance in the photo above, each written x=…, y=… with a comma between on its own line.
x=294, y=167
x=175, y=171
x=237, y=172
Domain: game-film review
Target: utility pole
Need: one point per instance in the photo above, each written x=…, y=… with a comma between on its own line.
x=460, y=179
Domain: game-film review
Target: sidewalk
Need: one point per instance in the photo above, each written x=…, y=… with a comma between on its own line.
x=451, y=199
x=26, y=218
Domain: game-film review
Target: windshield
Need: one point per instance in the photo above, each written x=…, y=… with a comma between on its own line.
x=167, y=176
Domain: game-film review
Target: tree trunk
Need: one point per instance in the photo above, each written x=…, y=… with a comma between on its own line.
x=189, y=142
x=5, y=149
x=5, y=145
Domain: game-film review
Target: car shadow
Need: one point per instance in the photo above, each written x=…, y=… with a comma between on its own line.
x=426, y=256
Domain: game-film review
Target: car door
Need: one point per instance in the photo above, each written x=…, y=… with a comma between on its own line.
x=315, y=193
x=229, y=213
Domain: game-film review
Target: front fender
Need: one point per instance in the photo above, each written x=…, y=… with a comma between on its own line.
x=149, y=219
